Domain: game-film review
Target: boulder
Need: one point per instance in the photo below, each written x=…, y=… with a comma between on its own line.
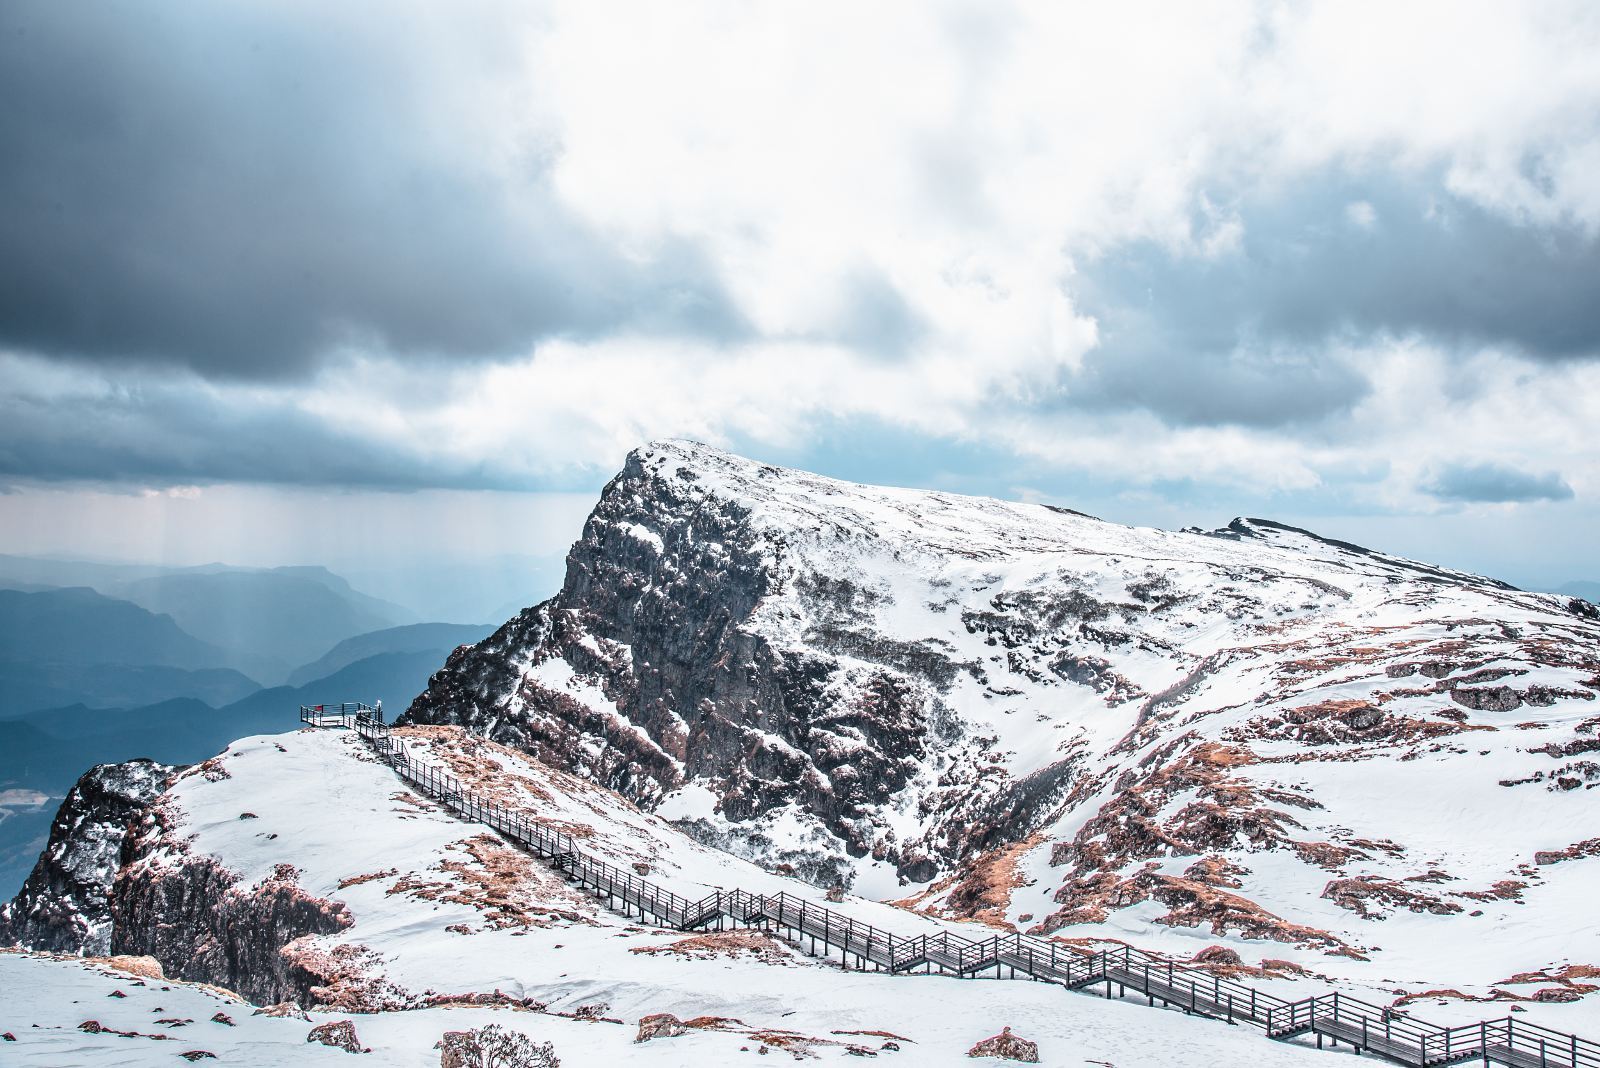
x=659, y=1025
x=341, y=1034
x=1216, y=955
x=1007, y=1046
x=283, y=1009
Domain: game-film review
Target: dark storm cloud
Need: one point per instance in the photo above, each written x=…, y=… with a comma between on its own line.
x=1493, y=483
x=171, y=431
x=241, y=189
x=1248, y=336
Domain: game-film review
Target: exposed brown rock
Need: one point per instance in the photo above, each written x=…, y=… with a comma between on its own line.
x=340, y=1034
x=757, y=944
x=1557, y=994
x=1216, y=955
x=143, y=967
x=1369, y=895
x=1007, y=1046
x=1589, y=847
x=659, y=1025
x=357, y=880
x=508, y=886
x=195, y=918
x=983, y=890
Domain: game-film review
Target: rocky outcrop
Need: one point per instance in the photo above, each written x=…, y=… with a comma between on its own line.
x=340, y=1034
x=1008, y=1047
x=659, y=1025
x=196, y=918
x=65, y=904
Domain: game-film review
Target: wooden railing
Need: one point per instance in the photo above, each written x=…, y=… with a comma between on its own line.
x=1334, y=1017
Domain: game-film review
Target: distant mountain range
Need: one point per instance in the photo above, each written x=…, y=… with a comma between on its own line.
x=267, y=621
x=165, y=663
x=80, y=626
x=416, y=638
x=1589, y=591
x=262, y=623
x=45, y=751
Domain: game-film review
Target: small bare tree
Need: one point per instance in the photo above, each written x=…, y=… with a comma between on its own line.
x=495, y=1047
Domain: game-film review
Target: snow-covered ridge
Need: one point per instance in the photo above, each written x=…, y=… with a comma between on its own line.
x=1058, y=724
x=450, y=924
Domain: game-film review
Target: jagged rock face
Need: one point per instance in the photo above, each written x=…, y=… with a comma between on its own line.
x=64, y=906
x=860, y=682
x=203, y=923
x=652, y=651
x=197, y=920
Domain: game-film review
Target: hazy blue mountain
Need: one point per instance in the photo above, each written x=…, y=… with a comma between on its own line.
x=47, y=750
x=33, y=572
x=28, y=687
x=76, y=646
x=268, y=621
x=413, y=638
x=1589, y=591
x=79, y=626
x=466, y=591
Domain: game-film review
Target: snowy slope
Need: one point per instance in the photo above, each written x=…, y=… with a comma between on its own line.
x=1305, y=749
x=443, y=916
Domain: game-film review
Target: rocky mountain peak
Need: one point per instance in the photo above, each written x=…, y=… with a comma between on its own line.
x=887, y=687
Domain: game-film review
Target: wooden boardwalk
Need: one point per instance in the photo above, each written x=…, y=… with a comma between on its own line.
x=814, y=928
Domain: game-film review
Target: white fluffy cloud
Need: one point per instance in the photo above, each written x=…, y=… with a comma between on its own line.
x=899, y=204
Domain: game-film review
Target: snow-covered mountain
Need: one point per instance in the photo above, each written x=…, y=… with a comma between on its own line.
x=297, y=868
x=1300, y=762
x=1032, y=717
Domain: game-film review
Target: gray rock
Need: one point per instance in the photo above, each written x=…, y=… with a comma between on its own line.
x=65, y=904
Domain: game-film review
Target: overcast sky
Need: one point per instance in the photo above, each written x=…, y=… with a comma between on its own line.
x=1335, y=264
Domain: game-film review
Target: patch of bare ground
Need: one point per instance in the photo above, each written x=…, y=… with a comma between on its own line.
x=1373, y=897
x=1225, y=811
x=1194, y=903
x=210, y=770
x=1378, y=845
x=875, y=1034
x=1347, y=722
x=757, y=944
x=503, y=883
x=1503, y=890
x=356, y=880
x=144, y=967
x=1567, y=978
x=484, y=767
x=494, y=772
x=982, y=891
x=1451, y=994
x=1326, y=854
x=1589, y=847
x=802, y=1046
x=495, y=998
